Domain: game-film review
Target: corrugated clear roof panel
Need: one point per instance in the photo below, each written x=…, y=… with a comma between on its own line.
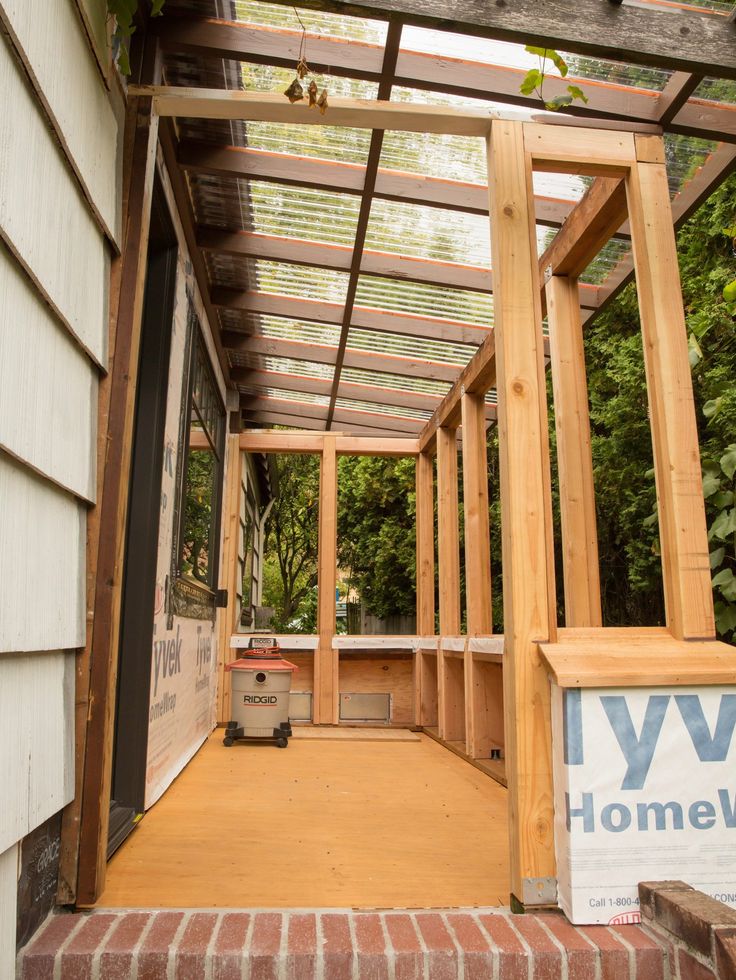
x=721, y=90
x=560, y=187
x=403, y=382
x=272, y=78
x=460, y=158
x=429, y=233
x=284, y=328
x=302, y=396
x=334, y=143
x=684, y=155
x=317, y=22
x=288, y=365
x=305, y=282
x=403, y=346
x=231, y=271
x=506, y=54
x=304, y=212
x=373, y=408
x=423, y=300
x=613, y=252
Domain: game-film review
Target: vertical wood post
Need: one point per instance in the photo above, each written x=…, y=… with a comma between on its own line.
x=526, y=508
x=229, y=570
x=449, y=578
x=325, y=699
x=477, y=525
x=86, y=823
x=685, y=565
x=574, y=461
x=424, y=700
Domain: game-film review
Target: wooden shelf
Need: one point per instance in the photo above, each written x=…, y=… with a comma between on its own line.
x=639, y=660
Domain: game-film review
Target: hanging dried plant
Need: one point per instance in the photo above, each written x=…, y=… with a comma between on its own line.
x=312, y=90
x=322, y=101
x=295, y=92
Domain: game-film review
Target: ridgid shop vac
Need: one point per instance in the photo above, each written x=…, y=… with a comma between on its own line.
x=260, y=687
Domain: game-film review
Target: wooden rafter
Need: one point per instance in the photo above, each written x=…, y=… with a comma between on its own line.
x=456, y=76
x=300, y=409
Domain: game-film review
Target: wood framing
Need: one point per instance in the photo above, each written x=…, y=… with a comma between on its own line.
x=477, y=528
x=325, y=705
x=526, y=507
x=450, y=685
x=425, y=544
x=682, y=528
x=574, y=461
x=232, y=492
x=277, y=441
x=92, y=802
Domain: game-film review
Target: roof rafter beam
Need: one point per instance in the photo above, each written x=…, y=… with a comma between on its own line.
x=280, y=46
x=684, y=40
x=301, y=409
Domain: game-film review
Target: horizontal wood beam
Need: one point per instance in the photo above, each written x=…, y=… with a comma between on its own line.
x=297, y=350
x=366, y=318
x=275, y=418
x=338, y=56
x=233, y=104
x=281, y=442
x=308, y=410
x=348, y=178
x=678, y=40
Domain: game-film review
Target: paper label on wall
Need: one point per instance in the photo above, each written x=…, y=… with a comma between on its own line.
x=645, y=789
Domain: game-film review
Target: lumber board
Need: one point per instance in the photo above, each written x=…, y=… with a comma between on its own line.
x=325, y=702
x=579, y=150
x=682, y=528
x=427, y=686
x=448, y=532
x=227, y=620
x=580, y=564
x=425, y=583
x=484, y=694
x=656, y=662
x=452, y=706
x=344, y=734
x=526, y=506
x=477, y=526
x=381, y=673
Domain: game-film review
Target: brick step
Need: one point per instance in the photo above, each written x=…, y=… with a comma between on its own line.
x=336, y=945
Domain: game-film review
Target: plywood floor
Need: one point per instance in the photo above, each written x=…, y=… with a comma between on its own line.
x=344, y=823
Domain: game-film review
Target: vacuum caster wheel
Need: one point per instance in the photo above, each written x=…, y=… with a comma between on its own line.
x=227, y=741
x=282, y=742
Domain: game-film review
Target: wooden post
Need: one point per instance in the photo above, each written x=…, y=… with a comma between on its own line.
x=449, y=575
x=477, y=526
x=682, y=529
x=425, y=586
x=325, y=698
x=574, y=461
x=526, y=508
x=229, y=571
x=86, y=823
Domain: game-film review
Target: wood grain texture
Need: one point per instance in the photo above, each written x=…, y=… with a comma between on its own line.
x=326, y=702
x=574, y=460
x=38, y=520
x=687, y=41
x=682, y=529
x=526, y=506
x=48, y=388
x=361, y=734
x=448, y=532
x=38, y=758
x=44, y=217
x=358, y=836
x=477, y=527
x=425, y=544
x=63, y=69
x=484, y=695
x=452, y=704
x=359, y=675
x=578, y=150
x=428, y=687
x=229, y=568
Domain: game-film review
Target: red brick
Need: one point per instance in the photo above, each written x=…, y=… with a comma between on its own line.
x=614, y=956
x=512, y=956
x=370, y=947
x=692, y=969
x=581, y=956
x=725, y=952
x=192, y=948
x=477, y=953
x=265, y=945
x=647, y=890
x=229, y=946
x=337, y=946
x=441, y=949
x=153, y=958
x=408, y=952
x=117, y=955
x=39, y=954
x=546, y=957
x=302, y=947
x=78, y=954
x=691, y=915
x=650, y=956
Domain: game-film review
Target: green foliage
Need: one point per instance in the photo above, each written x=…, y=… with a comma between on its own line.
x=534, y=80
x=376, y=532
x=124, y=12
x=198, y=514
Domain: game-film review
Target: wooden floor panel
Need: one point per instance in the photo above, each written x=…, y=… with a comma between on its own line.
x=343, y=823
x=336, y=734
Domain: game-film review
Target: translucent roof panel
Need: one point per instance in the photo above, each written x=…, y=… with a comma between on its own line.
x=684, y=156
x=423, y=300
x=303, y=212
x=324, y=142
x=284, y=328
x=612, y=253
x=403, y=346
x=506, y=54
x=399, y=382
x=305, y=282
x=373, y=408
x=429, y=233
x=289, y=365
x=717, y=90
x=317, y=22
x=302, y=396
x=271, y=78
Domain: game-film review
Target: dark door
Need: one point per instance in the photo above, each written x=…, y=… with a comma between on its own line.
x=139, y=579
